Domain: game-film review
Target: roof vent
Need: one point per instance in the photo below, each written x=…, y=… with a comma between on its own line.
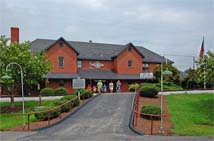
x=90, y=41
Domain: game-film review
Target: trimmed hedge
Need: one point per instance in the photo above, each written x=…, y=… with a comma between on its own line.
x=64, y=108
x=61, y=91
x=44, y=115
x=75, y=101
x=148, y=90
x=150, y=109
x=169, y=86
x=47, y=92
x=85, y=94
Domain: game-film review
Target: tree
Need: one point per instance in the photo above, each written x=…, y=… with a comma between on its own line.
x=34, y=66
x=206, y=68
x=172, y=78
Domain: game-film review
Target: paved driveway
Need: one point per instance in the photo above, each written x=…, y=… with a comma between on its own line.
x=104, y=118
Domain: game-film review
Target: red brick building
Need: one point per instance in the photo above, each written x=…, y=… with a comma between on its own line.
x=94, y=61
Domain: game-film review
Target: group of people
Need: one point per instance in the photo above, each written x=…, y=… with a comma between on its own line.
x=102, y=88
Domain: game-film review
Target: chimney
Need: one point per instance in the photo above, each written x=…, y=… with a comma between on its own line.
x=14, y=31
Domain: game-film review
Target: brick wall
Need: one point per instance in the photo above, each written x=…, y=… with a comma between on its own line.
x=70, y=58
x=121, y=62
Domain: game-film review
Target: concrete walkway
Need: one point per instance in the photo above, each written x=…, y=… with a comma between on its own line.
x=104, y=118
x=7, y=99
x=188, y=92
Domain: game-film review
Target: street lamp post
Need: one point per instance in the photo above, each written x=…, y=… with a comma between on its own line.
x=165, y=72
x=8, y=77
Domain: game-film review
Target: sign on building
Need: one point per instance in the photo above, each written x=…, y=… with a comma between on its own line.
x=78, y=83
x=146, y=75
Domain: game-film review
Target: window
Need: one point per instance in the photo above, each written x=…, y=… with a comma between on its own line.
x=129, y=63
x=61, y=83
x=130, y=49
x=61, y=44
x=145, y=66
x=61, y=61
x=79, y=64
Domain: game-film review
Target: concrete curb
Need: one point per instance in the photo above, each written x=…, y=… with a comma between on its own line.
x=73, y=112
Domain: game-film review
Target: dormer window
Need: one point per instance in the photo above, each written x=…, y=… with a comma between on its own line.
x=61, y=44
x=61, y=61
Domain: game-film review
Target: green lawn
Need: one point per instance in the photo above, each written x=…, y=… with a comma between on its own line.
x=192, y=114
x=7, y=120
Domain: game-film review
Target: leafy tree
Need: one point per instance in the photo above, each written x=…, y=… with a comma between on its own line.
x=191, y=80
x=34, y=66
x=206, y=68
x=171, y=78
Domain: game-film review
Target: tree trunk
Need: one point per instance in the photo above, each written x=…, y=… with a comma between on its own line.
x=12, y=102
x=40, y=99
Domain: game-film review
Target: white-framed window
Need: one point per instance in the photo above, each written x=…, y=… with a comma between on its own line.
x=79, y=64
x=61, y=61
x=130, y=63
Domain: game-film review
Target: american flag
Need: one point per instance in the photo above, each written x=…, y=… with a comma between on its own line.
x=201, y=54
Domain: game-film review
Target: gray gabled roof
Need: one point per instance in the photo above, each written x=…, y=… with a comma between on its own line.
x=96, y=51
x=53, y=75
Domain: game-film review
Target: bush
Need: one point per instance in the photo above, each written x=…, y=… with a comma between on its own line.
x=169, y=86
x=44, y=115
x=132, y=87
x=150, y=109
x=85, y=94
x=47, y=92
x=61, y=91
x=148, y=90
x=64, y=108
x=75, y=101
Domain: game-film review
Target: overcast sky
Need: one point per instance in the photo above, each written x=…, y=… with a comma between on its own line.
x=167, y=27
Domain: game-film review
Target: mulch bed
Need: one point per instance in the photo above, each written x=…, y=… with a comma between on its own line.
x=39, y=124
x=144, y=125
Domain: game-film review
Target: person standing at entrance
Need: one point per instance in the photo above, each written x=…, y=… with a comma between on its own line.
x=99, y=86
x=118, y=85
x=111, y=86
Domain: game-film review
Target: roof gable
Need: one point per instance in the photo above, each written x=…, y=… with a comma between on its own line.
x=125, y=47
x=62, y=39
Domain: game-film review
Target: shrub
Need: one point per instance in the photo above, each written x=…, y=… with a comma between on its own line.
x=47, y=92
x=169, y=86
x=85, y=94
x=75, y=101
x=132, y=87
x=44, y=115
x=148, y=90
x=65, y=107
x=150, y=109
x=61, y=91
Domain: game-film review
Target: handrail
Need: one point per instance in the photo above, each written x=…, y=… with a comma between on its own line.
x=54, y=108
x=135, y=105
x=50, y=110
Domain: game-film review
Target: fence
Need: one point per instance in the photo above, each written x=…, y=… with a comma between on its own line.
x=52, y=109
x=136, y=113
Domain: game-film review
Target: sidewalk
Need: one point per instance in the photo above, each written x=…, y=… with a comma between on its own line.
x=188, y=92
x=7, y=99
